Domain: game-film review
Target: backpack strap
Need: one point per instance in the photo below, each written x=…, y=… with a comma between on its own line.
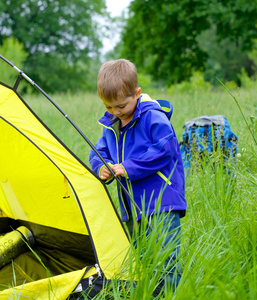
x=205, y=133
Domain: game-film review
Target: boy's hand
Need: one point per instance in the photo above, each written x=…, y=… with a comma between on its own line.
x=105, y=173
x=119, y=170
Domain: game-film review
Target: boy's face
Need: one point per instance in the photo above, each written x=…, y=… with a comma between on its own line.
x=123, y=108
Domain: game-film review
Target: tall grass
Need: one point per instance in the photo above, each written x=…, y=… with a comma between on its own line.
x=219, y=232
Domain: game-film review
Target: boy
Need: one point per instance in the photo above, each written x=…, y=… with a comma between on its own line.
x=140, y=145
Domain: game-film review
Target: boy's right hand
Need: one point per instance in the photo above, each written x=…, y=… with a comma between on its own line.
x=105, y=173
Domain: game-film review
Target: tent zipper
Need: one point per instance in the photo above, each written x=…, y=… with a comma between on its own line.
x=98, y=270
x=91, y=278
x=90, y=281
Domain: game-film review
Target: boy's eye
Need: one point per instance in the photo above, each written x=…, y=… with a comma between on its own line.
x=121, y=106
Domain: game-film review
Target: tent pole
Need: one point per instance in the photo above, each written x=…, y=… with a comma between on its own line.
x=21, y=73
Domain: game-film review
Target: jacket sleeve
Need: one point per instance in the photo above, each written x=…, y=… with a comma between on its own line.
x=94, y=160
x=162, y=152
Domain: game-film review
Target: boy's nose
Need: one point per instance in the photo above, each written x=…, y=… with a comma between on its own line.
x=116, y=111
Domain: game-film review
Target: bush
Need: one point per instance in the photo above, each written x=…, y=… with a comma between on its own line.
x=196, y=83
x=245, y=80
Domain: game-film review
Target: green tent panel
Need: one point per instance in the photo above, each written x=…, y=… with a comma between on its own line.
x=44, y=187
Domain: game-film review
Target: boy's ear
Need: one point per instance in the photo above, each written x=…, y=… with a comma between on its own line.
x=138, y=92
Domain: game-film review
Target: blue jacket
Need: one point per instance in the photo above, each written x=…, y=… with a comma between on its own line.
x=149, y=151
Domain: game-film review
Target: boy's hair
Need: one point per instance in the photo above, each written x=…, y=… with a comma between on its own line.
x=117, y=79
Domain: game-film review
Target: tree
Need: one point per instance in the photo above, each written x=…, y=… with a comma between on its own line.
x=161, y=37
x=236, y=20
x=13, y=51
x=62, y=29
x=225, y=58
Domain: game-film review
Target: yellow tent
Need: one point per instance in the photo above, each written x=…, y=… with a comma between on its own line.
x=44, y=187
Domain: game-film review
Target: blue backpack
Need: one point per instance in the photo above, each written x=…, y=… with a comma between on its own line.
x=206, y=134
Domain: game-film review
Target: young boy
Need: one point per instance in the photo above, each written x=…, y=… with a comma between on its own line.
x=140, y=145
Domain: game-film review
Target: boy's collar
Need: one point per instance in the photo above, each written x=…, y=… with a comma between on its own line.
x=113, y=118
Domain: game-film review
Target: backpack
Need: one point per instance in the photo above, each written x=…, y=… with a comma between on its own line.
x=206, y=134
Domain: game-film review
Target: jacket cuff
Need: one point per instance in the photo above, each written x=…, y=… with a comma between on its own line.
x=126, y=174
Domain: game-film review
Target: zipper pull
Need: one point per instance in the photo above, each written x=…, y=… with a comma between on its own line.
x=90, y=281
x=98, y=271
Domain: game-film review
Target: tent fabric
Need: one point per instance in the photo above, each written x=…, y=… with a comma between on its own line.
x=60, y=251
x=58, y=287
x=43, y=185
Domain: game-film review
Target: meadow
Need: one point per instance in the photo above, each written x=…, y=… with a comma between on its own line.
x=218, y=250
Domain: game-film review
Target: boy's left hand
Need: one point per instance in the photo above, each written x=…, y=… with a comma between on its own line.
x=119, y=170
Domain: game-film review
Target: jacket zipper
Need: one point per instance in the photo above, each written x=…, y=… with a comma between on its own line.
x=118, y=160
x=123, y=147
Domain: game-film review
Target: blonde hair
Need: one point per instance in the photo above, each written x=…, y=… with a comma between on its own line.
x=117, y=79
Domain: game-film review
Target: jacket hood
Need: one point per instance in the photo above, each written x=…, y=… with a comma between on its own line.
x=144, y=103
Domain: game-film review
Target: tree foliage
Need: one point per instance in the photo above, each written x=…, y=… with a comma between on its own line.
x=56, y=33
x=225, y=58
x=13, y=51
x=161, y=37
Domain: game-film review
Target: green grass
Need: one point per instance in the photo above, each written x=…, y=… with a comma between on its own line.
x=218, y=251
